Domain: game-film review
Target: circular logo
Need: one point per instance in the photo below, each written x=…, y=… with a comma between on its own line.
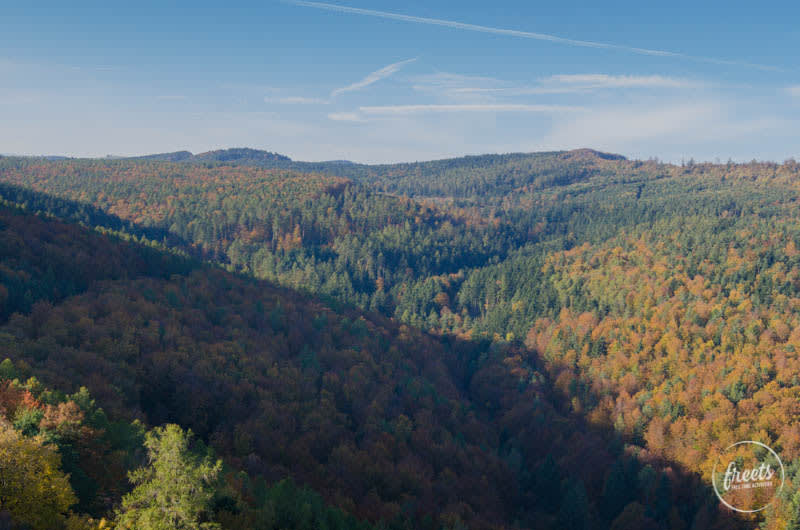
x=747, y=476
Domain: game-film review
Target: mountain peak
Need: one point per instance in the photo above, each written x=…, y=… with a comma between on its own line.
x=241, y=153
x=590, y=154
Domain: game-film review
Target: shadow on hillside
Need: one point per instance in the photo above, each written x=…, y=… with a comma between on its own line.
x=557, y=455
x=563, y=472
x=88, y=215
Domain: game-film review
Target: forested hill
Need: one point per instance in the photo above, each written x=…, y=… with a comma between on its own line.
x=651, y=306
x=388, y=423
x=458, y=177
x=237, y=155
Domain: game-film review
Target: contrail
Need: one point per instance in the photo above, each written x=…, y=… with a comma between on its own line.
x=522, y=34
x=374, y=77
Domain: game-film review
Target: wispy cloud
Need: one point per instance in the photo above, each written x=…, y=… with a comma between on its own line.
x=296, y=100
x=591, y=81
x=446, y=83
x=451, y=80
x=793, y=90
x=398, y=110
x=374, y=77
x=346, y=116
x=458, y=86
x=522, y=34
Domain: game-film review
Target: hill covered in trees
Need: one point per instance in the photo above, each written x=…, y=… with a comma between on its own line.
x=388, y=423
x=449, y=339
x=235, y=155
x=463, y=177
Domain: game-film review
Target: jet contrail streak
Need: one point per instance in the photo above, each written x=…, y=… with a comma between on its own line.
x=521, y=34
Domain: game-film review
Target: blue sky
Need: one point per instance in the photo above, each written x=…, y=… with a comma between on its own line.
x=386, y=81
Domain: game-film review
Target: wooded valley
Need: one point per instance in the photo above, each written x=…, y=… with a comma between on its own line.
x=546, y=340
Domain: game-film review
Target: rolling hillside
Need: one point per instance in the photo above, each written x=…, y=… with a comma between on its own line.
x=385, y=421
x=636, y=313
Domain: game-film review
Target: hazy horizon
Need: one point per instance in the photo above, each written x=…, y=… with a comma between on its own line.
x=344, y=158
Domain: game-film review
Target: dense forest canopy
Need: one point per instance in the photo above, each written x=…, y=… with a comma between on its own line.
x=423, y=345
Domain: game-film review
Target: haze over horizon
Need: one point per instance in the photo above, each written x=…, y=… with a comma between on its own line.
x=717, y=160
x=682, y=161
x=392, y=81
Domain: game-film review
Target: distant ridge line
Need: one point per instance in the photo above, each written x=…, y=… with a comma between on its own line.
x=251, y=156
